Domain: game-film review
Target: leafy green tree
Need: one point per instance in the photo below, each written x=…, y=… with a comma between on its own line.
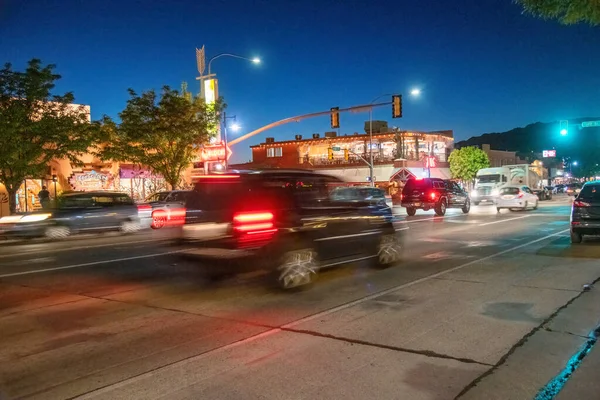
x=37, y=127
x=465, y=162
x=565, y=11
x=162, y=132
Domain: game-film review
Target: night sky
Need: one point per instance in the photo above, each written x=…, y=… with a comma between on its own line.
x=483, y=66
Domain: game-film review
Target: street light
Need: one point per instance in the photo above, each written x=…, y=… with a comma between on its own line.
x=413, y=92
x=235, y=127
x=575, y=163
x=254, y=60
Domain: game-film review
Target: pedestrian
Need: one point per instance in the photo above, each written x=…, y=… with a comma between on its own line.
x=44, y=197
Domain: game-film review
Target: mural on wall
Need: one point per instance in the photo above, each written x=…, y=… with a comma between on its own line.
x=91, y=180
x=139, y=182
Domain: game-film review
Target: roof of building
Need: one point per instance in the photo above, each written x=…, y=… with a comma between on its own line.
x=446, y=133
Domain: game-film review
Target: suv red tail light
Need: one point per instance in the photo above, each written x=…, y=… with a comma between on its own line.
x=580, y=204
x=432, y=195
x=144, y=207
x=254, y=223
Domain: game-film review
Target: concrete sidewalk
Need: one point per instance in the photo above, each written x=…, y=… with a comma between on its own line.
x=584, y=383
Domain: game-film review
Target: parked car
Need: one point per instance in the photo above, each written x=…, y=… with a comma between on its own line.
x=167, y=207
x=585, y=212
x=284, y=222
x=516, y=198
x=80, y=212
x=433, y=193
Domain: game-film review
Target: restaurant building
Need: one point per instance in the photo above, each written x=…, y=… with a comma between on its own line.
x=397, y=155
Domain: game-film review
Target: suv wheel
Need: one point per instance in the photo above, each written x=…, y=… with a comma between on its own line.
x=576, y=237
x=158, y=221
x=57, y=232
x=440, y=209
x=297, y=268
x=467, y=207
x=411, y=211
x=129, y=227
x=389, y=250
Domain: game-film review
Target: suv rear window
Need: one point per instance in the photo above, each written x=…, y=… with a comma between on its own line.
x=509, y=190
x=590, y=192
x=417, y=184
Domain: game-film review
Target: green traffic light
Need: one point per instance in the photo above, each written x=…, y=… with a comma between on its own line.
x=563, y=132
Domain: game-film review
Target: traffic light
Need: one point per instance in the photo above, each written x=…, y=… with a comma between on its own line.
x=330, y=153
x=335, y=117
x=346, y=154
x=397, y=106
x=564, y=127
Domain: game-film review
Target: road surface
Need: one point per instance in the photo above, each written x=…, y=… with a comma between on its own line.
x=484, y=305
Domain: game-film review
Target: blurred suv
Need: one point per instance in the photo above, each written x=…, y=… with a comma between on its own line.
x=585, y=212
x=167, y=207
x=289, y=223
x=80, y=212
x=433, y=193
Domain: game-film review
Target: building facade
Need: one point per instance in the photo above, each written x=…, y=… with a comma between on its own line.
x=498, y=158
x=93, y=174
x=397, y=155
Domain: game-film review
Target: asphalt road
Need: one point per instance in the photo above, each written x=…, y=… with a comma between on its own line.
x=114, y=317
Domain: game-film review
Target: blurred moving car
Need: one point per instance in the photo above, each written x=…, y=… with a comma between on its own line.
x=516, y=198
x=573, y=189
x=360, y=193
x=167, y=207
x=80, y=212
x=285, y=222
x=585, y=212
x=544, y=193
x=433, y=193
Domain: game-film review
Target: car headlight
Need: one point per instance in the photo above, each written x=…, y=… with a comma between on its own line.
x=474, y=193
x=35, y=217
x=10, y=219
x=495, y=192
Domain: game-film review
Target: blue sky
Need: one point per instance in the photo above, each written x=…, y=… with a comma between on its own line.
x=483, y=66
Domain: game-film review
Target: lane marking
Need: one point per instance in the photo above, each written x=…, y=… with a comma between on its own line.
x=433, y=218
x=36, y=251
x=181, y=363
x=504, y=220
x=89, y=264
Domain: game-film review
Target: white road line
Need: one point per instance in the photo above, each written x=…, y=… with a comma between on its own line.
x=89, y=264
x=76, y=248
x=503, y=220
x=434, y=218
x=270, y=332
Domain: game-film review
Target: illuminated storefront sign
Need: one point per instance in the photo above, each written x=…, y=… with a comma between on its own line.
x=217, y=152
x=210, y=90
x=548, y=153
x=91, y=180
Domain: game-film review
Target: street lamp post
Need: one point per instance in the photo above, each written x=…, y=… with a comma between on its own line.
x=234, y=126
x=254, y=60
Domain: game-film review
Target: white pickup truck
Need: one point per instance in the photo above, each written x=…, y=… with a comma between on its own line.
x=489, y=181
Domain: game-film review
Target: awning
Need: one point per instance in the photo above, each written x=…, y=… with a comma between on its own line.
x=408, y=172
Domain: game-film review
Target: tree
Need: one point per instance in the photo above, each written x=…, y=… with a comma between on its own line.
x=37, y=127
x=566, y=11
x=465, y=162
x=163, y=134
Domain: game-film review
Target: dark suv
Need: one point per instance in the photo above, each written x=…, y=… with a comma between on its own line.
x=433, y=193
x=585, y=213
x=285, y=222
